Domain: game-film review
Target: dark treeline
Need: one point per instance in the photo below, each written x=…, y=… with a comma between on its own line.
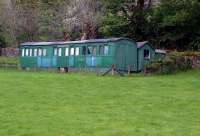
x=169, y=24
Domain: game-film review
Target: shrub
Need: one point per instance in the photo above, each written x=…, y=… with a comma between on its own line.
x=171, y=64
x=9, y=62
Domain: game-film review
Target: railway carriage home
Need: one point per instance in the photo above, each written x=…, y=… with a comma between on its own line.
x=87, y=54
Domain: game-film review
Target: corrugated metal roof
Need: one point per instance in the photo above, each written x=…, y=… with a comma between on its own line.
x=161, y=51
x=74, y=42
x=141, y=44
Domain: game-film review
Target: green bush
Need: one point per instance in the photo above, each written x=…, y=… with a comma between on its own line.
x=9, y=61
x=171, y=64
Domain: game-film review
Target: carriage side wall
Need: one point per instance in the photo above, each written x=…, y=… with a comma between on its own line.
x=126, y=55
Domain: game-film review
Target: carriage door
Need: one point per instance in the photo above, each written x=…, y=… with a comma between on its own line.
x=71, y=57
x=54, y=58
x=91, y=59
x=39, y=58
x=46, y=60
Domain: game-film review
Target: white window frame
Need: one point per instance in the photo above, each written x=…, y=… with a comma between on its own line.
x=26, y=52
x=55, y=51
x=66, y=51
x=35, y=52
x=23, y=52
x=77, y=51
x=59, y=52
x=30, y=52
x=106, y=50
x=44, y=52
x=72, y=51
x=40, y=52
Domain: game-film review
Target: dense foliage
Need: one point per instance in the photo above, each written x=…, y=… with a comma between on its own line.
x=128, y=19
x=178, y=23
x=171, y=24
x=171, y=64
x=2, y=40
x=9, y=60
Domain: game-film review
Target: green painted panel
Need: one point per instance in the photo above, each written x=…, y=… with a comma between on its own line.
x=126, y=55
x=106, y=61
x=79, y=61
x=62, y=61
x=30, y=62
x=142, y=61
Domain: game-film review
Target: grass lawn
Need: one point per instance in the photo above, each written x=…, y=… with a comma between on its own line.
x=51, y=104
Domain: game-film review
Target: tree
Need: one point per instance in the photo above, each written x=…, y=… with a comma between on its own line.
x=129, y=18
x=84, y=17
x=2, y=39
x=178, y=24
x=27, y=20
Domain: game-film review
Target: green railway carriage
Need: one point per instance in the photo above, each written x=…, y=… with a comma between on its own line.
x=88, y=54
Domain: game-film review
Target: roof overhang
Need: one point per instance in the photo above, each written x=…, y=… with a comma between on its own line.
x=142, y=44
x=74, y=42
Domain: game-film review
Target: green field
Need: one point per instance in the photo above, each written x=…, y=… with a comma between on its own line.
x=51, y=104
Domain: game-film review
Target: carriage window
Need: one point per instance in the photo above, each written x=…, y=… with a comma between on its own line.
x=44, y=52
x=35, y=52
x=39, y=52
x=101, y=50
x=146, y=54
x=27, y=51
x=31, y=50
x=94, y=52
x=60, y=52
x=77, y=51
x=67, y=52
x=106, y=50
x=55, y=51
x=22, y=52
x=72, y=51
x=90, y=50
x=84, y=50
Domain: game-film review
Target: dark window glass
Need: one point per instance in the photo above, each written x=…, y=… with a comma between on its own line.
x=90, y=50
x=84, y=50
x=146, y=54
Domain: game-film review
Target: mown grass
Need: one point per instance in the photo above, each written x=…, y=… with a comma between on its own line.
x=50, y=104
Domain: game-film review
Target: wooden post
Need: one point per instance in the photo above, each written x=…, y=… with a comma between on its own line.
x=113, y=70
x=129, y=70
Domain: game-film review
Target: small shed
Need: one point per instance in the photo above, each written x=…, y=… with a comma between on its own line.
x=146, y=53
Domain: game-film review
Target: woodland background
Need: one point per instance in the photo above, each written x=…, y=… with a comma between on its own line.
x=168, y=24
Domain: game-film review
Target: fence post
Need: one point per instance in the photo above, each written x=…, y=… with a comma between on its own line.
x=113, y=70
x=129, y=70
